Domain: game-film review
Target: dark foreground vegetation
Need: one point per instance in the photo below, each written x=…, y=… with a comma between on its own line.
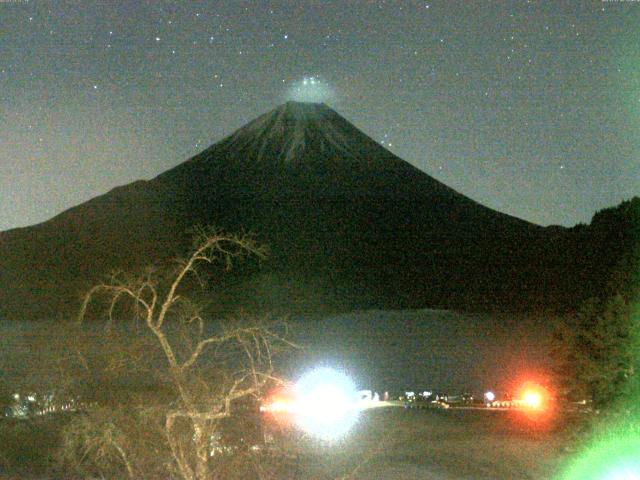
x=386, y=443
x=175, y=393
x=30, y=448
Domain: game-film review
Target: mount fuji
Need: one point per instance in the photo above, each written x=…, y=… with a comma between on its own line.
x=349, y=226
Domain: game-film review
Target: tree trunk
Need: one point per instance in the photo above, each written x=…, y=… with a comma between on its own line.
x=201, y=441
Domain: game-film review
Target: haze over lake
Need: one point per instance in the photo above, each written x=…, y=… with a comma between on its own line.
x=383, y=350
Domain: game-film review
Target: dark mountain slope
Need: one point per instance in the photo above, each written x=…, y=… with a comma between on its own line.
x=349, y=226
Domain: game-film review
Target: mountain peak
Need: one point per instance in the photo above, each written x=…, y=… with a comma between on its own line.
x=302, y=109
x=290, y=129
x=292, y=112
x=348, y=224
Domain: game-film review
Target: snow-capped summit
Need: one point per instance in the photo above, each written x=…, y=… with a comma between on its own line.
x=295, y=131
x=291, y=128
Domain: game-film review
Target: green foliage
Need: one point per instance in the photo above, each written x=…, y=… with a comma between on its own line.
x=597, y=348
x=632, y=397
x=593, y=349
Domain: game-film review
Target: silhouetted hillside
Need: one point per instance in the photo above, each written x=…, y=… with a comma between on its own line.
x=349, y=226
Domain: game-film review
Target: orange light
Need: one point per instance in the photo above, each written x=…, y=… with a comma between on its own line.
x=534, y=396
x=532, y=399
x=279, y=404
x=536, y=405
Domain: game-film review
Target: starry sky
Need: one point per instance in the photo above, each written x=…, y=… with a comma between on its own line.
x=529, y=107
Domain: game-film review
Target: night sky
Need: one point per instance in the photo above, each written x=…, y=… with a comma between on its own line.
x=531, y=108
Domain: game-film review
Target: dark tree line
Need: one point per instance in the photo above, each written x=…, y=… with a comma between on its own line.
x=597, y=347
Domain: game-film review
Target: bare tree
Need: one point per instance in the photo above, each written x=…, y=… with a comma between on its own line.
x=212, y=370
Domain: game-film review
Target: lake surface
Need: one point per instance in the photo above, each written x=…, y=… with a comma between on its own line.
x=428, y=349
x=382, y=350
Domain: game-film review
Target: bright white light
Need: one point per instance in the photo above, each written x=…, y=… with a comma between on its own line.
x=626, y=472
x=490, y=396
x=310, y=89
x=327, y=403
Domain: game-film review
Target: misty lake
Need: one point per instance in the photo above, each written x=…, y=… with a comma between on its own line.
x=382, y=350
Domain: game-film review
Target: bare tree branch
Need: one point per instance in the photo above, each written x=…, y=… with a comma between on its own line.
x=239, y=352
